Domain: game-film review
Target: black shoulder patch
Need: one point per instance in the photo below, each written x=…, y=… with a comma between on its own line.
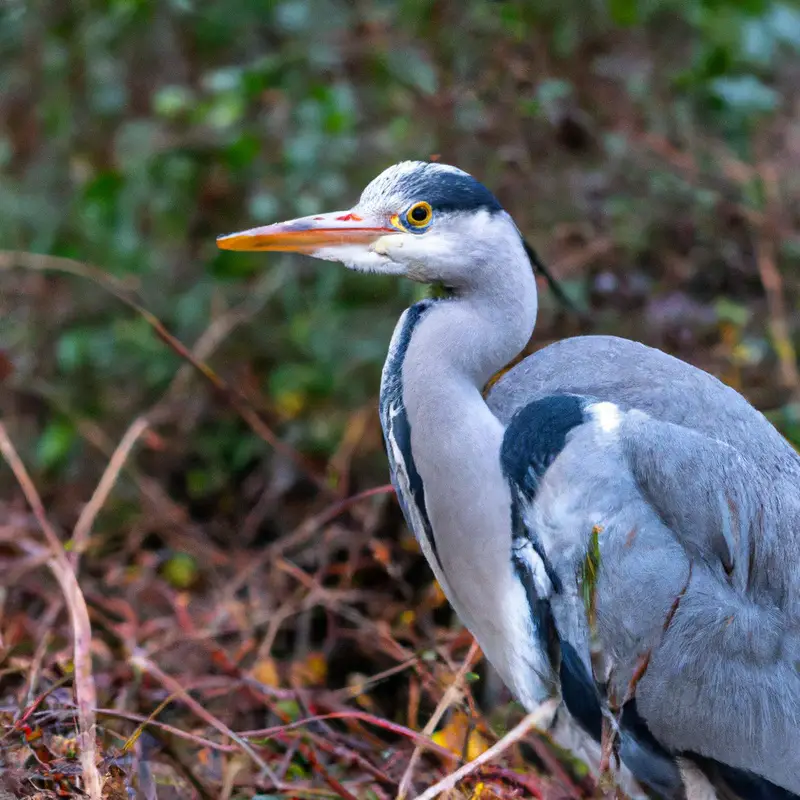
x=738, y=782
x=450, y=190
x=536, y=435
x=534, y=438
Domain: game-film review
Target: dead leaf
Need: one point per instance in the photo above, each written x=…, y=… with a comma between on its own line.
x=311, y=672
x=266, y=672
x=453, y=735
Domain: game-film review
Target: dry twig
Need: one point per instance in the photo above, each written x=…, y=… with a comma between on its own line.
x=450, y=696
x=83, y=527
x=144, y=664
x=538, y=717
x=85, y=692
x=11, y=258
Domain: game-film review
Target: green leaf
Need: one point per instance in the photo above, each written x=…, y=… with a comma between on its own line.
x=412, y=67
x=180, y=570
x=732, y=312
x=624, y=12
x=745, y=94
x=589, y=573
x=511, y=18
x=226, y=110
x=170, y=101
x=199, y=482
x=71, y=350
x=242, y=151
x=54, y=444
x=290, y=708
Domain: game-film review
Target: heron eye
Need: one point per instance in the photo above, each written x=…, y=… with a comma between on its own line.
x=419, y=215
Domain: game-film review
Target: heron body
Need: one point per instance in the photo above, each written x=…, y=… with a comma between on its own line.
x=612, y=524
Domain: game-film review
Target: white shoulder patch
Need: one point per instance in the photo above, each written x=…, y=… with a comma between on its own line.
x=606, y=415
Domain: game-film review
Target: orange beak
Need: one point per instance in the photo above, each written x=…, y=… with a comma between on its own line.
x=309, y=234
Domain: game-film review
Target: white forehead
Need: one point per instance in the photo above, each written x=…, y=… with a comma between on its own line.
x=401, y=183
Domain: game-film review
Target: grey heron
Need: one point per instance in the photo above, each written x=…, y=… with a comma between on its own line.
x=612, y=524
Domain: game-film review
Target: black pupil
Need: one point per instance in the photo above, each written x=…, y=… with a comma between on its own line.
x=419, y=214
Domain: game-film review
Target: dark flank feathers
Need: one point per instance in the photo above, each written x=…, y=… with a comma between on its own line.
x=579, y=692
x=541, y=612
x=652, y=765
x=737, y=784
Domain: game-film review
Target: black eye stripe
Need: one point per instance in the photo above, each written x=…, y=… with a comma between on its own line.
x=449, y=190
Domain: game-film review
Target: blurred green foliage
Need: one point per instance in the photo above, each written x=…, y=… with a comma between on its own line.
x=132, y=132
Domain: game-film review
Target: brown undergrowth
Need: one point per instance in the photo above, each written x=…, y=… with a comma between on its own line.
x=315, y=665
x=151, y=649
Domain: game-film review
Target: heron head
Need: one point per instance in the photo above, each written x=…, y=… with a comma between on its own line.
x=427, y=221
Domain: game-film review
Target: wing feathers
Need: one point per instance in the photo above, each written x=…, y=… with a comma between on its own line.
x=721, y=647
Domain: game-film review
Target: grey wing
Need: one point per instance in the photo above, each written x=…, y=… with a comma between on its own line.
x=553, y=518
x=634, y=376
x=722, y=679
x=692, y=607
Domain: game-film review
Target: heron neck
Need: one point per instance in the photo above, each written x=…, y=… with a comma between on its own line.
x=454, y=348
x=461, y=342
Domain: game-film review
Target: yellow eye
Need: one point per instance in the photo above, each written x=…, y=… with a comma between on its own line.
x=419, y=215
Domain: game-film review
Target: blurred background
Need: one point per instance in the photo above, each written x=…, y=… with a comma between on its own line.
x=647, y=148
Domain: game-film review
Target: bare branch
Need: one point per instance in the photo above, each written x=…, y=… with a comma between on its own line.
x=450, y=696
x=174, y=687
x=540, y=716
x=83, y=527
x=85, y=692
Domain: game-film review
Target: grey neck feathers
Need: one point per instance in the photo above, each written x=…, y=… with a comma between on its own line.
x=455, y=441
x=455, y=347
x=464, y=340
